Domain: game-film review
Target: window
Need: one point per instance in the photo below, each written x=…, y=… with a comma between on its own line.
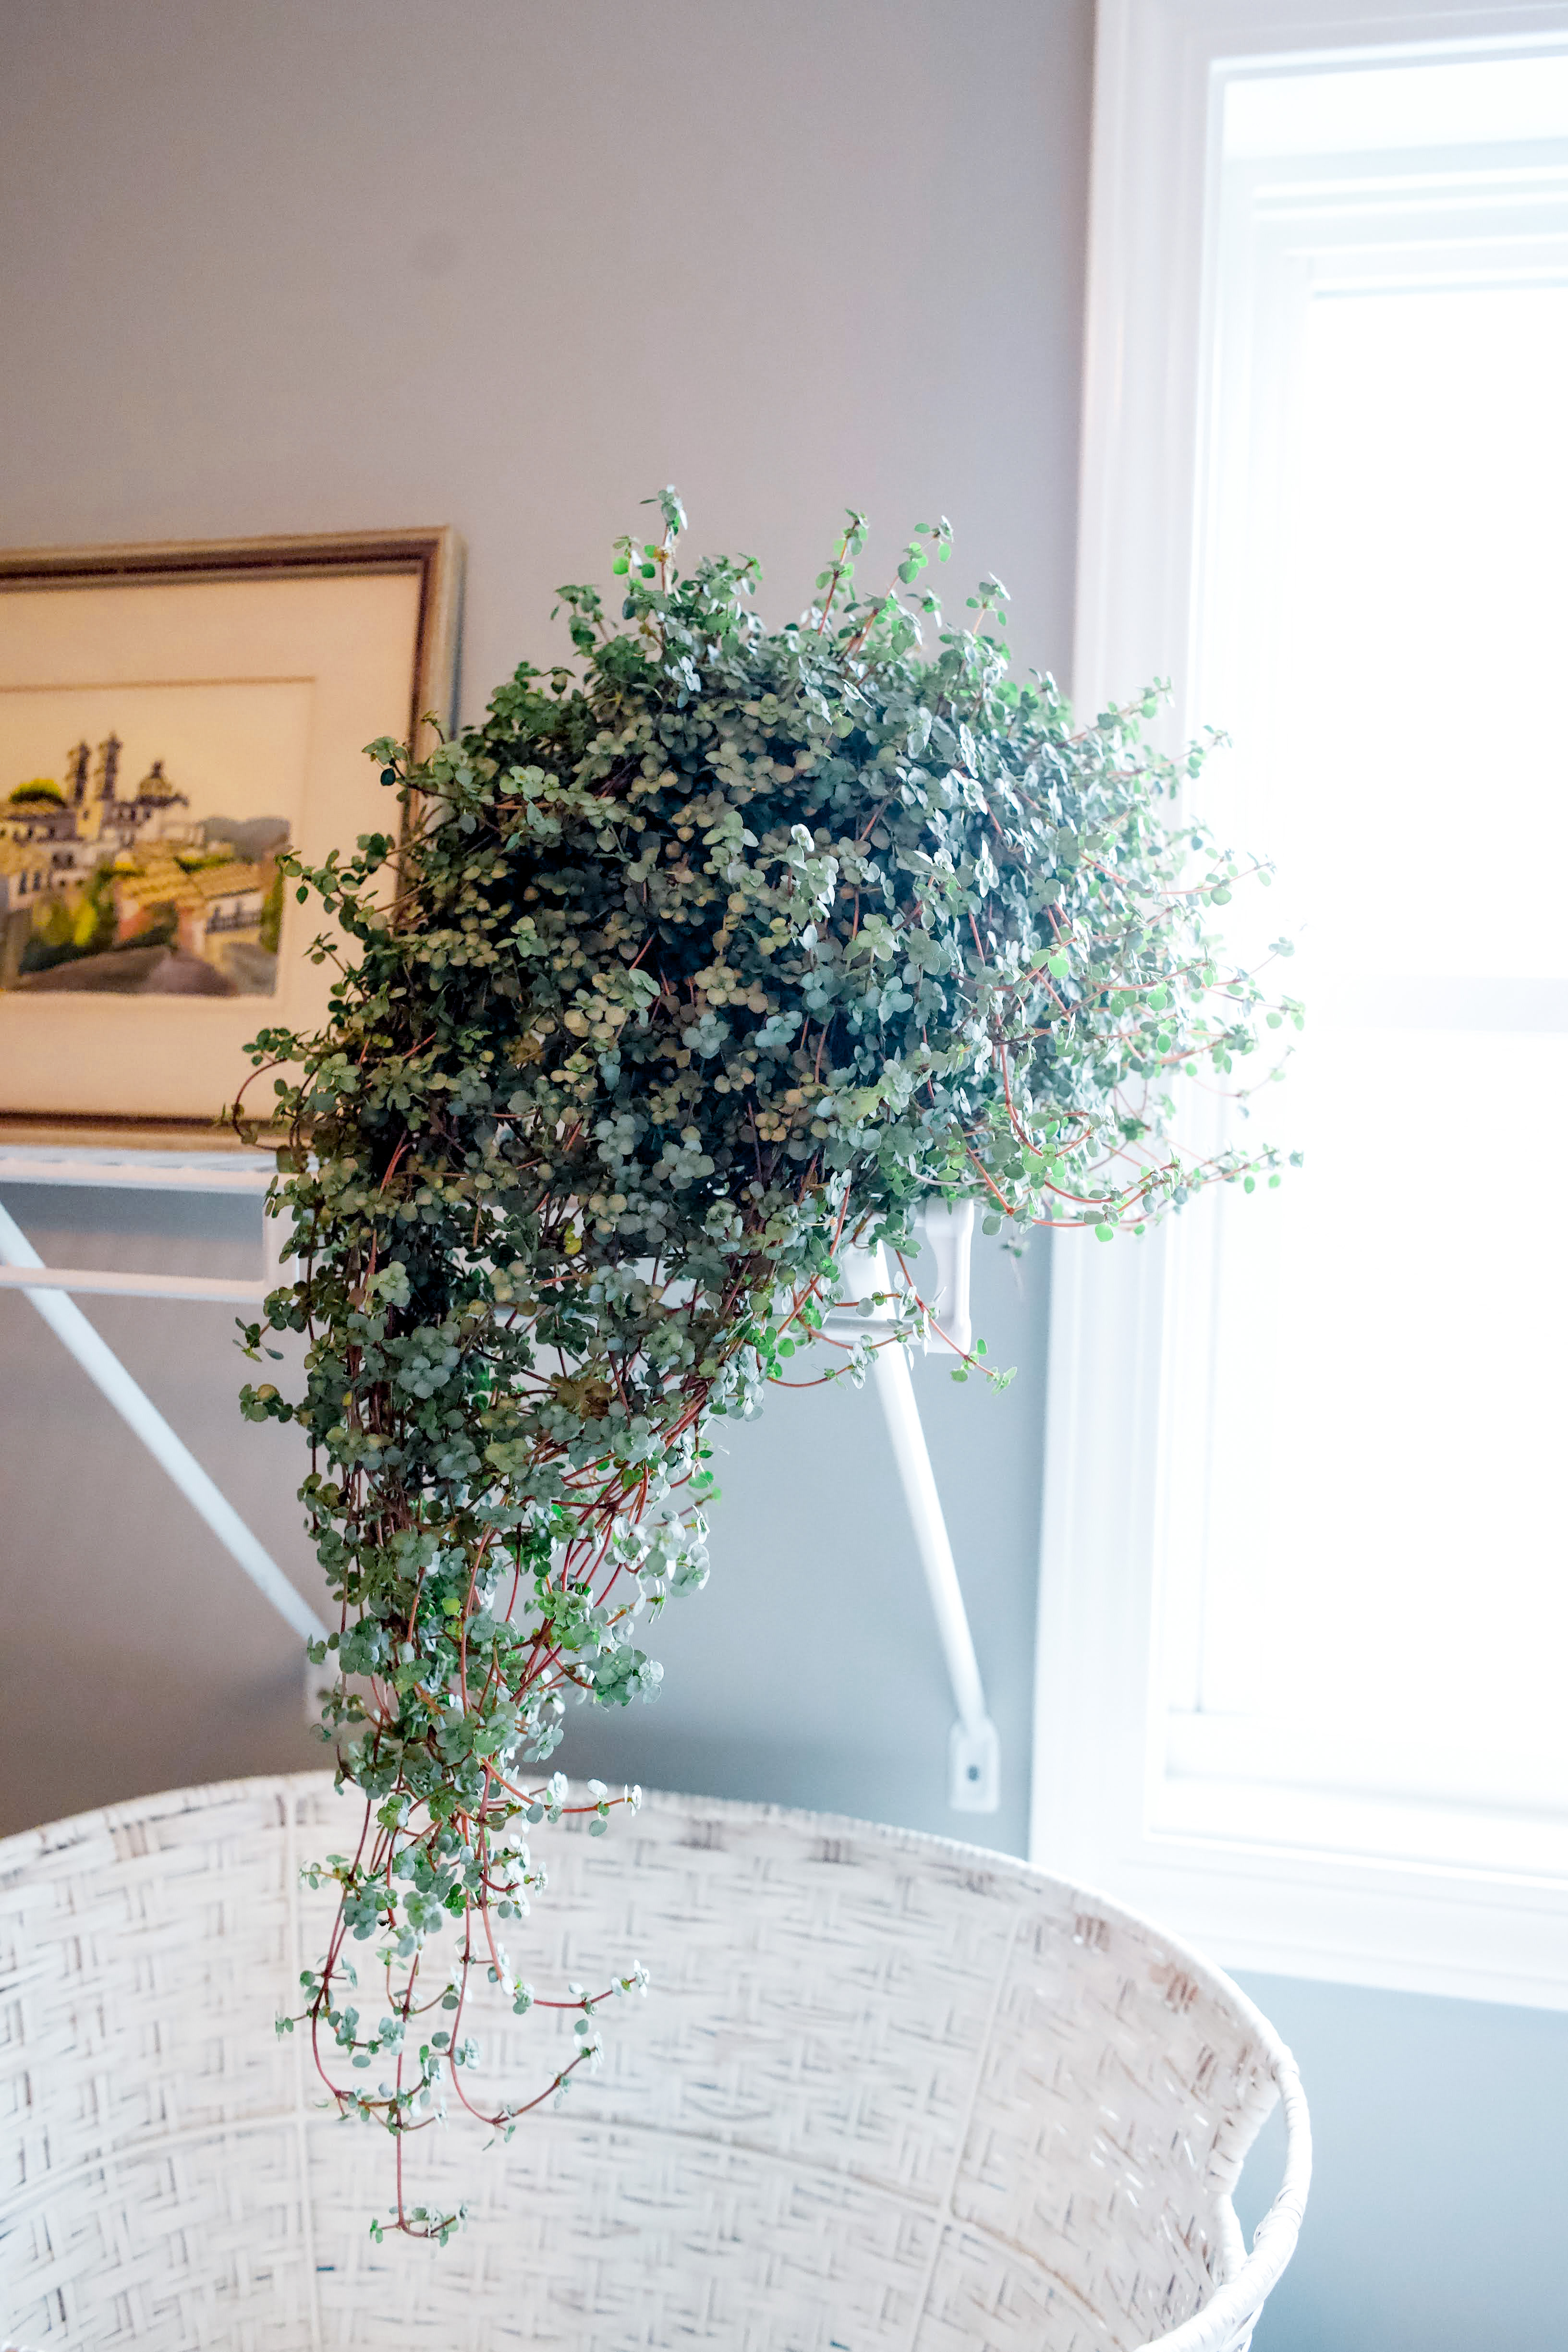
x=1303, y=1519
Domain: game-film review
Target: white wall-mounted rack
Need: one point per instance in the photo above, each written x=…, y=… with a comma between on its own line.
x=243, y=1173
x=48, y=1288
x=974, y=1758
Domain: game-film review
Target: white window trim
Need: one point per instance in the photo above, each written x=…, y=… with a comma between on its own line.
x=1308, y=1906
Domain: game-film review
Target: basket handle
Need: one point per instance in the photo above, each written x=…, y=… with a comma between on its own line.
x=1225, y=2322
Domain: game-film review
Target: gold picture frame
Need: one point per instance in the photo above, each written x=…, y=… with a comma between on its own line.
x=177, y=715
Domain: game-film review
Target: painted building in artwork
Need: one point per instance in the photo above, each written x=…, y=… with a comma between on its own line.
x=87, y=820
x=26, y=876
x=41, y=848
x=210, y=902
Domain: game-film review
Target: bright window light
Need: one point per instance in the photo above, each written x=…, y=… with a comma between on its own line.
x=1376, y=1536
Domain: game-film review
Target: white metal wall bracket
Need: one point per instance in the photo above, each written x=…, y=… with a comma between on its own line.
x=47, y=1289
x=973, y=1756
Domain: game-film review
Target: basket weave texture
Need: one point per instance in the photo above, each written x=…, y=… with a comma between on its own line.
x=887, y=2094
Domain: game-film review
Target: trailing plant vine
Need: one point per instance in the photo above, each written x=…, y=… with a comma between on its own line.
x=705, y=955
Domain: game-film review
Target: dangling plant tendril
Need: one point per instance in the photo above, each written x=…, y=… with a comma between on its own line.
x=696, y=963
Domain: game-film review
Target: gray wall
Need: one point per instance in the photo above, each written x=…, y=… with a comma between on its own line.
x=512, y=266
x=1439, y=2204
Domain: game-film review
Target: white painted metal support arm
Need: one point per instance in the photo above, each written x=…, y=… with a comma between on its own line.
x=973, y=1756
x=103, y=1367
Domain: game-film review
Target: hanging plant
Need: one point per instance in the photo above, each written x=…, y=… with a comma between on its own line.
x=700, y=959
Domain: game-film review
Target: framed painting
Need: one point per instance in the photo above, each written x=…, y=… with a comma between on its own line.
x=172, y=720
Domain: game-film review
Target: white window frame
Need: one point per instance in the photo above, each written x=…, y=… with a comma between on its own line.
x=1281, y=1891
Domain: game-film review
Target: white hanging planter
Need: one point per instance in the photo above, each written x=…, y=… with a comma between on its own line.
x=885, y=2091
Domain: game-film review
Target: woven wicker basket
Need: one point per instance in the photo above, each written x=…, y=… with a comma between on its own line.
x=885, y=2091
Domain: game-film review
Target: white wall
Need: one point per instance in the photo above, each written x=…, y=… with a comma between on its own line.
x=512, y=265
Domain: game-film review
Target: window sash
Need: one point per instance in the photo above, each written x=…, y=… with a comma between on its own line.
x=1368, y=1874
